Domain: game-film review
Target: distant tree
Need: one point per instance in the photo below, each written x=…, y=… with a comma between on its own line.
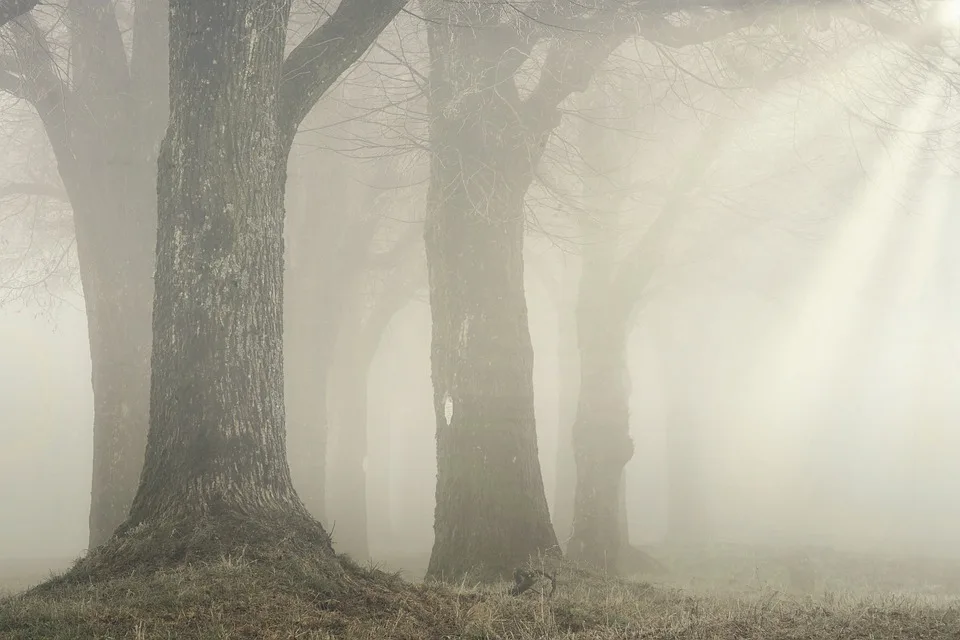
x=498, y=78
x=499, y=75
x=104, y=115
x=611, y=289
x=367, y=316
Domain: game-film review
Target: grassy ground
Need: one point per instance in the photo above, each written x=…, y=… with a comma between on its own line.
x=727, y=592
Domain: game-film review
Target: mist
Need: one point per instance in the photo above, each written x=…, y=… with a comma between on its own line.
x=655, y=299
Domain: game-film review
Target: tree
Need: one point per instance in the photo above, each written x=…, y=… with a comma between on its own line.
x=610, y=293
x=215, y=457
x=111, y=109
x=103, y=118
x=488, y=129
x=367, y=317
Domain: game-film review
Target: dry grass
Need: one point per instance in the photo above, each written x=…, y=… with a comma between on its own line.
x=238, y=598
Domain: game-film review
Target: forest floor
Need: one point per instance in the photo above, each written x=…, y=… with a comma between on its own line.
x=710, y=593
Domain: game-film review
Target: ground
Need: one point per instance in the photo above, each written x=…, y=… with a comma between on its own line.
x=717, y=592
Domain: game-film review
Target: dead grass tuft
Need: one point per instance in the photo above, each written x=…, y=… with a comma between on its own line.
x=238, y=597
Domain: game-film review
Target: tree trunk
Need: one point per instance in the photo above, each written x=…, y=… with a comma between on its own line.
x=685, y=509
x=491, y=512
x=601, y=438
x=104, y=130
x=216, y=447
x=601, y=433
x=686, y=518
x=348, y=417
x=568, y=390
x=487, y=140
x=119, y=303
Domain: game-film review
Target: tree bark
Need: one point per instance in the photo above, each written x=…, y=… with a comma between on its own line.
x=487, y=140
x=491, y=512
x=217, y=437
x=119, y=305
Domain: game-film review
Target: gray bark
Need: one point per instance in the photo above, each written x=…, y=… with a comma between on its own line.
x=491, y=512
x=217, y=438
x=486, y=139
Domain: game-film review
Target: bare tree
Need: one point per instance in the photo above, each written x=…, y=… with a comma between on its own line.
x=103, y=115
x=499, y=74
x=611, y=290
x=215, y=452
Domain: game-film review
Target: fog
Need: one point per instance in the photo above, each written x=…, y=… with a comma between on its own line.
x=820, y=374
x=795, y=349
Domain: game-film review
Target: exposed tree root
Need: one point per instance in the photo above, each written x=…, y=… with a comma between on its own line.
x=287, y=541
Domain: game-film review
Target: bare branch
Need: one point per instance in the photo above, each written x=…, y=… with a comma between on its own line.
x=12, y=9
x=315, y=64
x=11, y=84
x=33, y=189
x=658, y=30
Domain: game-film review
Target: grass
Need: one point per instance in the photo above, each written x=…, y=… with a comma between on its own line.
x=239, y=598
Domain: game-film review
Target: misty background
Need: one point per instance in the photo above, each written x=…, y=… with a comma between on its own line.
x=865, y=460
x=802, y=326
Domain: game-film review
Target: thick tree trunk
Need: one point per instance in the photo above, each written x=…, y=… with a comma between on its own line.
x=567, y=392
x=491, y=512
x=114, y=210
x=216, y=446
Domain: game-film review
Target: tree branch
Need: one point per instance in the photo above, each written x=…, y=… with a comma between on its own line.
x=660, y=31
x=327, y=52
x=641, y=263
x=12, y=9
x=33, y=189
x=11, y=84
x=568, y=69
